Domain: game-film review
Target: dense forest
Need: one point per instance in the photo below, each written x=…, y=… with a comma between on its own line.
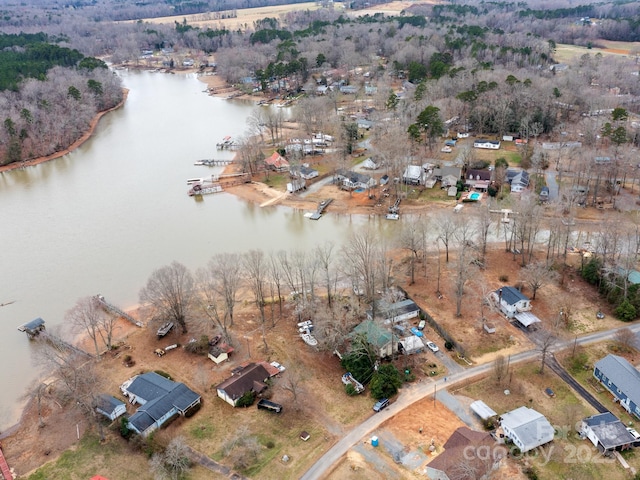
x=492, y=63
x=49, y=95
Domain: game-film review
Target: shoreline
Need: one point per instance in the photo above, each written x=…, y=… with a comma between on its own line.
x=85, y=136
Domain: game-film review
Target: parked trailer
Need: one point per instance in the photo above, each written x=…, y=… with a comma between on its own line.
x=268, y=405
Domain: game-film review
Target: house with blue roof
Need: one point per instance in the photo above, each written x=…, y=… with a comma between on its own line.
x=161, y=400
x=622, y=379
x=511, y=301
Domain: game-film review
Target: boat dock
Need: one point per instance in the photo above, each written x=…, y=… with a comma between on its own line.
x=227, y=143
x=4, y=467
x=213, y=163
x=321, y=207
x=109, y=307
x=217, y=183
x=35, y=328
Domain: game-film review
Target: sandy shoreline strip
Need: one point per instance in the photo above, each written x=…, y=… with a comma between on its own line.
x=86, y=136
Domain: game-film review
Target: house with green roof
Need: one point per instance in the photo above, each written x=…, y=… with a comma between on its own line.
x=379, y=337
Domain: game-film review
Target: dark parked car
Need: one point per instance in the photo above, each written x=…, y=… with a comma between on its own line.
x=380, y=404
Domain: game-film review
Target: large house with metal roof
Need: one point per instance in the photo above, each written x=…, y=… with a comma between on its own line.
x=622, y=379
x=526, y=428
x=161, y=399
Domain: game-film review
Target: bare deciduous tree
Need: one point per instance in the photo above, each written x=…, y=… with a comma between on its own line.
x=546, y=340
x=536, y=275
x=294, y=384
x=500, y=368
x=88, y=317
x=173, y=462
x=256, y=269
x=626, y=339
x=169, y=292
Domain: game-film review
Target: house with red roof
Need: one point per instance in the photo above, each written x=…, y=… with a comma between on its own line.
x=277, y=162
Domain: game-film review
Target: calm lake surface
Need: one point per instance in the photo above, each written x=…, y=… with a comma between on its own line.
x=103, y=218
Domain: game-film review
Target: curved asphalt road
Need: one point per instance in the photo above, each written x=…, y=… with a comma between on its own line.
x=419, y=391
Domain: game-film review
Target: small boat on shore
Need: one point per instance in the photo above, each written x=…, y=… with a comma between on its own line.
x=309, y=339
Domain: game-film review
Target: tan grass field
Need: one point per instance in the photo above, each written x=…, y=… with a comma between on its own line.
x=567, y=53
x=244, y=19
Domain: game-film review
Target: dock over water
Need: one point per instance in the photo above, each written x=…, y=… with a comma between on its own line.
x=321, y=207
x=109, y=307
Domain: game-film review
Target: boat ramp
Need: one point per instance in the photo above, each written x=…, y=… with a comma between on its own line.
x=321, y=207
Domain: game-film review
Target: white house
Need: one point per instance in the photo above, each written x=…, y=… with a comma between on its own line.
x=110, y=406
x=606, y=432
x=488, y=144
x=511, y=301
x=527, y=428
x=413, y=175
x=352, y=180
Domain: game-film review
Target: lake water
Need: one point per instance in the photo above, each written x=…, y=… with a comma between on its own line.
x=102, y=218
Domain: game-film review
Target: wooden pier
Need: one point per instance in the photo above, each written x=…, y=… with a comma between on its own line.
x=219, y=184
x=35, y=328
x=213, y=163
x=321, y=207
x=109, y=307
x=4, y=467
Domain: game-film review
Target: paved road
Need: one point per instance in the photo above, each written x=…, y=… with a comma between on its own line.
x=419, y=391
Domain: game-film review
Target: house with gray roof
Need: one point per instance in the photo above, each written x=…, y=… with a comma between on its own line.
x=606, y=432
x=526, y=428
x=511, y=301
x=161, y=400
x=351, y=180
x=395, y=312
x=110, y=406
x=622, y=379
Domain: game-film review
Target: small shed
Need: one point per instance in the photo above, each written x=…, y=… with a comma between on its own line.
x=220, y=353
x=110, y=406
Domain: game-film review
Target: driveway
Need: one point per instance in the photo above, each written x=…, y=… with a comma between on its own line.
x=552, y=184
x=411, y=395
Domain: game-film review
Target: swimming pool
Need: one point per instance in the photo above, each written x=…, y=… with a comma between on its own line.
x=475, y=196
